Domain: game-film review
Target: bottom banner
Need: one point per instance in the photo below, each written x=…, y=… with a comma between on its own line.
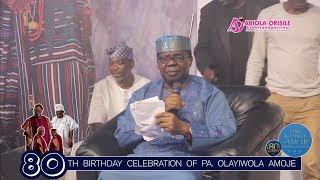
x=54, y=164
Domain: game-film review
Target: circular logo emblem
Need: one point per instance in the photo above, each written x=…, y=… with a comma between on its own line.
x=295, y=140
x=273, y=147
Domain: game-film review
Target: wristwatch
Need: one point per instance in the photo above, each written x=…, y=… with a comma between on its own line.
x=189, y=133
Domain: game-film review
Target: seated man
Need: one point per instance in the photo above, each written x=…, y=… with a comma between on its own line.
x=194, y=121
x=111, y=95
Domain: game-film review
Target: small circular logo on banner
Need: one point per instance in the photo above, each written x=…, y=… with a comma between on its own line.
x=295, y=140
x=273, y=147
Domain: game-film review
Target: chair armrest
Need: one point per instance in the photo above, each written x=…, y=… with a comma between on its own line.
x=102, y=142
x=259, y=124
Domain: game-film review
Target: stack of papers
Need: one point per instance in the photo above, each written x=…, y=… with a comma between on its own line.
x=143, y=113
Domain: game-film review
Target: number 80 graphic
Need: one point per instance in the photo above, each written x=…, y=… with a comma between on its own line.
x=51, y=165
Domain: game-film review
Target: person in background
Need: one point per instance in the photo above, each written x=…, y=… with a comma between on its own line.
x=65, y=127
x=111, y=94
x=55, y=142
x=293, y=77
x=211, y=73
x=31, y=124
x=39, y=144
x=227, y=51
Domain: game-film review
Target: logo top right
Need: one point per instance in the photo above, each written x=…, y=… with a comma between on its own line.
x=237, y=25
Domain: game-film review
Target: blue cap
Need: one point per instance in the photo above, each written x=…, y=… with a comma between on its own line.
x=173, y=43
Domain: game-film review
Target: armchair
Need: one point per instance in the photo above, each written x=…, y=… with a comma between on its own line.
x=258, y=122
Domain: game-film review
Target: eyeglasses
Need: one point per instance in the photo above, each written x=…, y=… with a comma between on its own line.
x=175, y=58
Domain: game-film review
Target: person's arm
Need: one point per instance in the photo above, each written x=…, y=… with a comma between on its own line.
x=202, y=51
x=219, y=125
x=125, y=133
x=51, y=145
x=257, y=56
x=39, y=148
x=72, y=127
x=38, y=145
x=97, y=112
x=169, y=122
x=49, y=124
x=28, y=140
x=60, y=148
x=71, y=138
x=27, y=132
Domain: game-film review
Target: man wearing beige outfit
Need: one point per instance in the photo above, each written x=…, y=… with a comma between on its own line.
x=293, y=76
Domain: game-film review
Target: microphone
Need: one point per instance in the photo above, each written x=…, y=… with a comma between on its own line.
x=177, y=87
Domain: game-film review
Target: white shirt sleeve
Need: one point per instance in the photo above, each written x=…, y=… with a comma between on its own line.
x=53, y=122
x=97, y=111
x=72, y=124
x=257, y=56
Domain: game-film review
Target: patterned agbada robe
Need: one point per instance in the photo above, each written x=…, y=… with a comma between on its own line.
x=56, y=143
x=31, y=125
x=56, y=66
x=62, y=68
x=39, y=144
x=9, y=79
x=208, y=113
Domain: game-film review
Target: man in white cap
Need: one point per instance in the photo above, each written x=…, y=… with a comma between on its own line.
x=194, y=120
x=65, y=126
x=111, y=94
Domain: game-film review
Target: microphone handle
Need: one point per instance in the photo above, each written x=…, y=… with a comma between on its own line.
x=174, y=111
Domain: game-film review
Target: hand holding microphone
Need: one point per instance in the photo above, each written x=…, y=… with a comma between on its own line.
x=168, y=120
x=173, y=102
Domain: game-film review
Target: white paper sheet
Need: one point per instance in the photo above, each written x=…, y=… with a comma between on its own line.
x=143, y=113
